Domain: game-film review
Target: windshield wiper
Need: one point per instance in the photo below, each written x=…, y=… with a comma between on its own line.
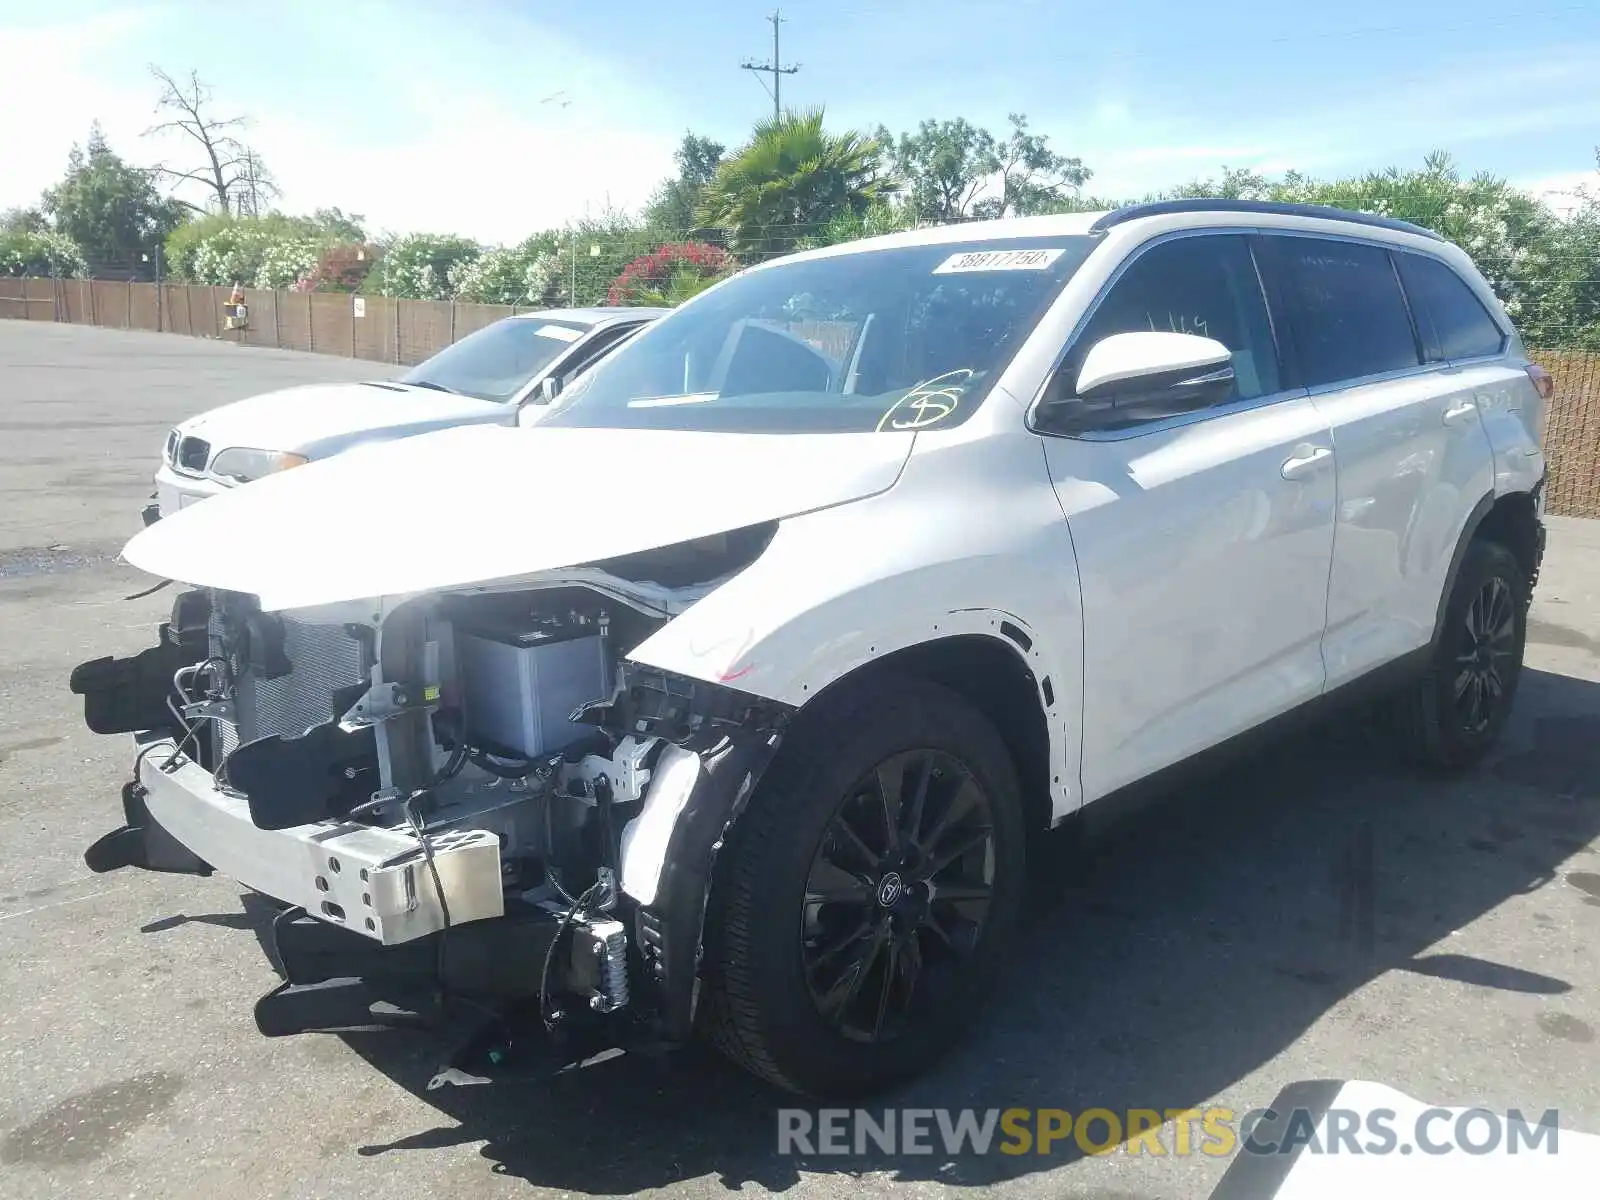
x=430, y=385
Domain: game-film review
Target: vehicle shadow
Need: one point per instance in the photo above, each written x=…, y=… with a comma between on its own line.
x=1161, y=964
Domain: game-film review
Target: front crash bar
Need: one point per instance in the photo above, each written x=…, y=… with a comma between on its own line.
x=371, y=881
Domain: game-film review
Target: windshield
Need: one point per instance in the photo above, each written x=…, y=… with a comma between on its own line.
x=496, y=362
x=905, y=338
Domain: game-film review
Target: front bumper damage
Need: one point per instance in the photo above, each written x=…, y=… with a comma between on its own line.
x=368, y=879
x=362, y=938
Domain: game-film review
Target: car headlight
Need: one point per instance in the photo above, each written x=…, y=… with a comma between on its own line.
x=241, y=464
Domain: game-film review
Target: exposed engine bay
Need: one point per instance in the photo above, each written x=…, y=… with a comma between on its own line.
x=476, y=795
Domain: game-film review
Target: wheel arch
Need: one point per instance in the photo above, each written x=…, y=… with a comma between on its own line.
x=1513, y=521
x=992, y=671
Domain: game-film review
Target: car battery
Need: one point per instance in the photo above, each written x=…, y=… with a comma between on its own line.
x=520, y=686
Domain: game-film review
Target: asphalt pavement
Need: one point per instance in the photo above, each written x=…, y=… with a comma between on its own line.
x=1314, y=912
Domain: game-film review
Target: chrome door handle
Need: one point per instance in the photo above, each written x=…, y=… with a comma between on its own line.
x=1458, y=413
x=1305, y=461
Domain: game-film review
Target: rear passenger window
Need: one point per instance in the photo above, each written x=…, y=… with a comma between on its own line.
x=1349, y=317
x=1452, y=319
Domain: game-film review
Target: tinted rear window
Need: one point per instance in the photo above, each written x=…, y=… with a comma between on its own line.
x=1453, y=321
x=1348, y=316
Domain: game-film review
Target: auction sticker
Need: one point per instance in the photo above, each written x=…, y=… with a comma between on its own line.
x=998, y=260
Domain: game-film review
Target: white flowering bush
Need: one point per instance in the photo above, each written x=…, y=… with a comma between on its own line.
x=1539, y=265
x=233, y=254
x=419, y=266
x=285, y=263
x=524, y=274
x=269, y=253
x=41, y=254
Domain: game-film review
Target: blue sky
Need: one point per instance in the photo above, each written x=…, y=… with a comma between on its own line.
x=434, y=115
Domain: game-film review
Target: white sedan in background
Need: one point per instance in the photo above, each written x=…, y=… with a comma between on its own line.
x=487, y=378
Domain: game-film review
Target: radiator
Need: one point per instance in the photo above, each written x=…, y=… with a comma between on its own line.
x=324, y=660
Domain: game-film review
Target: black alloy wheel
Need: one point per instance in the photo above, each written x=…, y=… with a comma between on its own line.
x=898, y=894
x=1455, y=711
x=1486, y=648
x=866, y=899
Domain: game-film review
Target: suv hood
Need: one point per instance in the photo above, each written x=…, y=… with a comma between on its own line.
x=488, y=504
x=323, y=418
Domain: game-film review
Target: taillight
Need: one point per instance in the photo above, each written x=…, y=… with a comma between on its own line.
x=1542, y=382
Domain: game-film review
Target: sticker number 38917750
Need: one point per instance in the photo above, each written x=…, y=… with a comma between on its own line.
x=998, y=260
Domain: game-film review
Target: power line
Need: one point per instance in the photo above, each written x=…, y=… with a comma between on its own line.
x=773, y=68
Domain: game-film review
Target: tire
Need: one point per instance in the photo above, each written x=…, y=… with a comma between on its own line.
x=777, y=999
x=1445, y=731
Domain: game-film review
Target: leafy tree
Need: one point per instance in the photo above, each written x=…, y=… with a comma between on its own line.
x=110, y=210
x=792, y=178
x=40, y=253
x=336, y=225
x=944, y=166
x=949, y=166
x=1033, y=177
x=672, y=208
x=23, y=220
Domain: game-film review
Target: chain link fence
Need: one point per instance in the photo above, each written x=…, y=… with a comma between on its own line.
x=407, y=331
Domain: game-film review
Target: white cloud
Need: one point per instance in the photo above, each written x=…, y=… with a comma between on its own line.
x=485, y=173
x=411, y=150
x=1565, y=192
x=62, y=70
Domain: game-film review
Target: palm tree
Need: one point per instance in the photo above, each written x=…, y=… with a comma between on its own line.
x=791, y=180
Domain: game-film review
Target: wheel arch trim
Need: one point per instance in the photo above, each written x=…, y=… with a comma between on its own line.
x=1480, y=513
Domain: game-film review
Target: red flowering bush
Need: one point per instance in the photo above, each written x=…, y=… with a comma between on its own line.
x=670, y=274
x=342, y=268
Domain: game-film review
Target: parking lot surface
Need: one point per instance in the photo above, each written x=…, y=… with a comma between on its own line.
x=1313, y=912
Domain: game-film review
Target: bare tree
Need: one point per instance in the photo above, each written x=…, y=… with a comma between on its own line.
x=231, y=171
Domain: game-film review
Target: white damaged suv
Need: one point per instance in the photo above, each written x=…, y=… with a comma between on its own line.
x=729, y=696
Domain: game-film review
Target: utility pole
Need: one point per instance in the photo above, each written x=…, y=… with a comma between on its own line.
x=773, y=68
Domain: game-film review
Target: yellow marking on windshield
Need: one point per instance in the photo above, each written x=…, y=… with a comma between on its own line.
x=928, y=403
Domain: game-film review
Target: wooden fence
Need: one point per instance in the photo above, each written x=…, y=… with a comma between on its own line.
x=372, y=327
x=408, y=331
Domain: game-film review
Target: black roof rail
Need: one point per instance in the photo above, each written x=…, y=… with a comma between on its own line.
x=1159, y=208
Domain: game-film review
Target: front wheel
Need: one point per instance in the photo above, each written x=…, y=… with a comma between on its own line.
x=1460, y=705
x=865, y=899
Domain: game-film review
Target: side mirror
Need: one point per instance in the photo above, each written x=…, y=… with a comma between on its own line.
x=549, y=388
x=1132, y=377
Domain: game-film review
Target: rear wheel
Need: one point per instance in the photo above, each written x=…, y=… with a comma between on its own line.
x=1459, y=706
x=865, y=899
